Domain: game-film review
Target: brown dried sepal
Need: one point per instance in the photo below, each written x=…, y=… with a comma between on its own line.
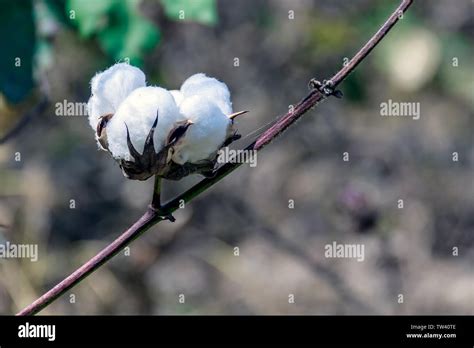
x=150, y=162
x=101, y=131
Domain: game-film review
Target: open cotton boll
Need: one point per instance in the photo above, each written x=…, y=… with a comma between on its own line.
x=110, y=87
x=207, y=133
x=209, y=88
x=138, y=111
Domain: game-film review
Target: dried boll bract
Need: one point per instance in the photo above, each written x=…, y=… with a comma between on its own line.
x=141, y=127
x=137, y=113
x=153, y=131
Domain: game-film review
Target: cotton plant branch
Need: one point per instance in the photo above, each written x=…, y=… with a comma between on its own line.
x=157, y=212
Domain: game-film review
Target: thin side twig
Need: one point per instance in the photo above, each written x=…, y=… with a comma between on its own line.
x=153, y=216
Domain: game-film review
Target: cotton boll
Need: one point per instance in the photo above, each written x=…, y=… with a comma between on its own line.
x=206, y=135
x=110, y=87
x=178, y=96
x=138, y=111
x=192, y=82
x=152, y=131
x=208, y=88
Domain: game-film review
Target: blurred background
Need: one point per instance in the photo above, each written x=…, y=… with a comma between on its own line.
x=59, y=192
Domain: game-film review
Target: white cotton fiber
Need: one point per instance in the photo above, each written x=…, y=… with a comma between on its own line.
x=208, y=88
x=138, y=111
x=110, y=87
x=206, y=135
x=178, y=96
x=121, y=91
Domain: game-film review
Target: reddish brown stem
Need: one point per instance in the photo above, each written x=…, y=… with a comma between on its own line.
x=141, y=225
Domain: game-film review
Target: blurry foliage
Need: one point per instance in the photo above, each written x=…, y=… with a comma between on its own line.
x=201, y=11
x=16, y=80
x=417, y=57
x=354, y=89
x=412, y=60
x=328, y=35
x=458, y=81
x=118, y=26
x=378, y=13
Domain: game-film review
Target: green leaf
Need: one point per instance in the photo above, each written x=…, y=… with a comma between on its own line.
x=201, y=11
x=118, y=25
x=90, y=16
x=17, y=34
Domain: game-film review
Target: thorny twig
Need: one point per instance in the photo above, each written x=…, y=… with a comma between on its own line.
x=153, y=215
